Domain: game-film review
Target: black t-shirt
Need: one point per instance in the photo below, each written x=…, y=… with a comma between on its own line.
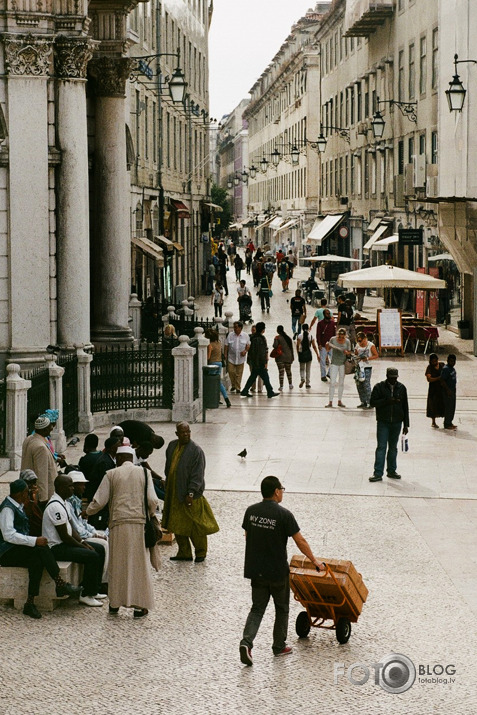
x=346, y=314
x=297, y=305
x=268, y=526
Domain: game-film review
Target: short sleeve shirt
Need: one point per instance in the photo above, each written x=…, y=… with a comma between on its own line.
x=55, y=514
x=297, y=305
x=268, y=526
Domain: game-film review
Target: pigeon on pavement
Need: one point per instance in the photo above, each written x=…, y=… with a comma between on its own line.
x=242, y=454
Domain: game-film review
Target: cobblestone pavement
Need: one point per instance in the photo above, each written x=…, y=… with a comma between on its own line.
x=414, y=541
x=184, y=657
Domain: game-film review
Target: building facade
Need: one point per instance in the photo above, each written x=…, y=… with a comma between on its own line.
x=233, y=159
x=76, y=134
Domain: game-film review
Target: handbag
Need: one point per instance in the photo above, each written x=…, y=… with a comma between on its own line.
x=277, y=352
x=350, y=366
x=270, y=292
x=152, y=530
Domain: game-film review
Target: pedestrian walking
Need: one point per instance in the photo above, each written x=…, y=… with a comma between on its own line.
x=258, y=360
x=365, y=351
x=248, y=260
x=389, y=398
x=238, y=265
x=325, y=330
x=218, y=299
x=298, y=312
x=304, y=345
x=187, y=513
x=265, y=292
x=341, y=347
x=283, y=354
x=214, y=357
x=435, y=393
x=244, y=299
x=257, y=385
x=237, y=344
x=126, y=490
x=319, y=312
x=284, y=274
x=267, y=527
x=449, y=384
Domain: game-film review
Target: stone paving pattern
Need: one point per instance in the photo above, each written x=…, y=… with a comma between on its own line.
x=414, y=541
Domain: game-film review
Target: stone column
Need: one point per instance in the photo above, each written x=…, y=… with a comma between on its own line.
x=202, y=347
x=27, y=66
x=135, y=307
x=183, y=407
x=56, y=400
x=71, y=59
x=85, y=416
x=17, y=392
x=111, y=268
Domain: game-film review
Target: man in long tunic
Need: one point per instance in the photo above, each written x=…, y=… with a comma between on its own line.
x=187, y=512
x=130, y=582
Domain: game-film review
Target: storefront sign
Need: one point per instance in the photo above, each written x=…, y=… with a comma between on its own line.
x=410, y=236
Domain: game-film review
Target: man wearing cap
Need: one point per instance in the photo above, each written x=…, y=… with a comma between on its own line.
x=124, y=491
x=389, y=398
x=36, y=455
x=17, y=548
x=85, y=530
x=32, y=509
x=67, y=545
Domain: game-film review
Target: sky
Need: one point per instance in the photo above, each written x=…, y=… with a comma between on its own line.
x=244, y=37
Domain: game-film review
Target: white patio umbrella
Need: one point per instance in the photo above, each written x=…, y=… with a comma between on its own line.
x=441, y=257
x=332, y=259
x=389, y=277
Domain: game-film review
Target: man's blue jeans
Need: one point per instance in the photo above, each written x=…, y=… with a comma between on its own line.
x=261, y=592
x=296, y=325
x=387, y=434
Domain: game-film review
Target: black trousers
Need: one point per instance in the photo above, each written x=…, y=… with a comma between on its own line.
x=93, y=562
x=35, y=559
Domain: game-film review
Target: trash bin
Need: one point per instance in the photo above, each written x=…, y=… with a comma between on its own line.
x=211, y=386
x=464, y=329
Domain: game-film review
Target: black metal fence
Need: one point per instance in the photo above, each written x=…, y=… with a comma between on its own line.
x=70, y=393
x=184, y=326
x=3, y=416
x=38, y=399
x=132, y=378
x=195, y=344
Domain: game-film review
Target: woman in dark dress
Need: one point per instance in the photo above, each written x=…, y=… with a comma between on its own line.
x=435, y=397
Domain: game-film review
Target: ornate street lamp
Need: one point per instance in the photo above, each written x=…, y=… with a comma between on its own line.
x=276, y=156
x=264, y=165
x=321, y=143
x=295, y=154
x=236, y=180
x=456, y=92
x=253, y=171
x=377, y=125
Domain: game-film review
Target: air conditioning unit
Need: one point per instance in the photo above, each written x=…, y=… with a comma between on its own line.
x=399, y=190
x=419, y=170
x=409, y=180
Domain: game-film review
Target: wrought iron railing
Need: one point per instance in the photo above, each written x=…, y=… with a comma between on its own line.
x=132, y=378
x=3, y=416
x=70, y=393
x=185, y=326
x=38, y=398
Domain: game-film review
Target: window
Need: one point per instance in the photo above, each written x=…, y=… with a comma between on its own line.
x=341, y=111
x=366, y=174
x=400, y=5
x=346, y=185
x=401, y=75
x=358, y=102
x=382, y=172
x=351, y=106
x=422, y=143
x=351, y=174
x=422, y=65
x=412, y=72
x=366, y=104
x=347, y=122
x=138, y=123
x=435, y=69
x=434, y=148
x=401, y=157
x=373, y=174
x=154, y=132
x=146, y=128
x=410, y=149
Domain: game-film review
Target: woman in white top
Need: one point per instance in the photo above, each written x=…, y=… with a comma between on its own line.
x=341, y=347
x=218, y=299
x=365, y=351
x=305, y=343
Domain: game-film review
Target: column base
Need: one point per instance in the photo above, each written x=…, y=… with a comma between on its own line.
x=111, y=335
x=27, y=358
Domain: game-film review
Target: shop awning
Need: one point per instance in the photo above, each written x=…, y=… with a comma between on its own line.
x=383, y=243
x=323, y=227
x=382, y=228
x=248, y=222
x=373, y=225
x=181, y=208
x=235, y=226
x=267, y=222
x=289, y=224
x=169, y=245
x=216, y=207
x=150, y=249
x=276, y=223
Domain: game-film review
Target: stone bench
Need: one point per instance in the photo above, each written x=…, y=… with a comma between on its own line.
x=14, y=585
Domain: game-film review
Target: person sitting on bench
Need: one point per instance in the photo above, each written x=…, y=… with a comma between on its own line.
x=17, y=548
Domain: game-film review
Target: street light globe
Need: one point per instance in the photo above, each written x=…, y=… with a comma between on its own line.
x=295, y=155
x=236, y=180
x=229, y=184
x=377, y=125
x=253, y=172
x=321, y=143
x=276, y=156
x=456, y=94
x=177, y=85
x=264, y=165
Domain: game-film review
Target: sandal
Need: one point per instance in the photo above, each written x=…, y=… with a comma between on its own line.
x=140, y=612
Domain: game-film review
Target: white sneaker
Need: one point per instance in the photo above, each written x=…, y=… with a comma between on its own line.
x=100, y=596
x=89, y=601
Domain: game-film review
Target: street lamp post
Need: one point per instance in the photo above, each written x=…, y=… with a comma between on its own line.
x=456, y=92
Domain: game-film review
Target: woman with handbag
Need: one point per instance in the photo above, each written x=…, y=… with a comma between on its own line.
x=341, y=347
x=283, y=354
x=214, y=357
x=304, y=345
x=365, y=351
